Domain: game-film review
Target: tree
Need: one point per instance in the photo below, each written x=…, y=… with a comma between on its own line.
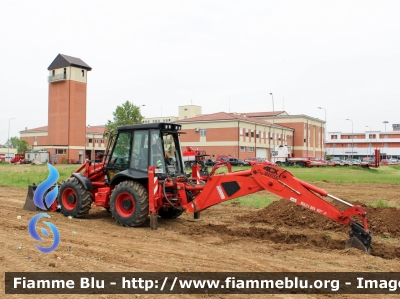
x=126, y=114
x=21, y=145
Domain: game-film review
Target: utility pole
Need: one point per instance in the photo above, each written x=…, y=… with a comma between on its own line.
x=352, y=140
x=273, y=115
x=8, y=147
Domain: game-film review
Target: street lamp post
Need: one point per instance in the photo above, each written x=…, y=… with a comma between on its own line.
x=352, y=138
x=8, y=139
x=273, y=115
x=369, y=138
x=325, y=133
x=385, y=122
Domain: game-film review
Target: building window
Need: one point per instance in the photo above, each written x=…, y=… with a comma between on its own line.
x=334, y=145
x=348, y=136
x=252, y=133
x=348, y=145
x=102, y=141
x=185, y=109
x=355, y=137
x=241, y=132
x=83, y=73
x=247, y=132
x=257, y=134
x=90, y=140
x=242, y=149
x=35, y=138
x=385, y=145
x=333, y=136
x=96, y=140
x=385, y=136
x=53, y=73
x=250, y=149
x=355, y=145
x=202, y=132
x=61, y=151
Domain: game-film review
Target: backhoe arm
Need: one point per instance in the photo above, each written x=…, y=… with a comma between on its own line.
x=276, y=180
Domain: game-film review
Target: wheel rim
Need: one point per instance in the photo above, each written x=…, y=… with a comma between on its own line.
x=69, y=199
x=125, y=204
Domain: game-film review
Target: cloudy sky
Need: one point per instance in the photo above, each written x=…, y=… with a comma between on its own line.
x=227, y=56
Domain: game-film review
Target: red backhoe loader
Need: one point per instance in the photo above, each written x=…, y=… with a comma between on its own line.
x=135, y=180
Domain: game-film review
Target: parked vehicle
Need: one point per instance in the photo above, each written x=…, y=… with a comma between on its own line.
x=251, y=161
x=386, y=162
x=209, y=162
x=236, y=162
x=222, y=157
x=282, y=157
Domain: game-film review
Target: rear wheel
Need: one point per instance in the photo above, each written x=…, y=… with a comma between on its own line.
x=129, y=204
x=75, y=200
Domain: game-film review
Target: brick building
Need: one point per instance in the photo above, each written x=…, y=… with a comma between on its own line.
x=363, y=144
x=240, y=135
x=66, y=136
x=253, y=134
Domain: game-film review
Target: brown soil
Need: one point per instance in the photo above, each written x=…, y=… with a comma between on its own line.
x=229, y=237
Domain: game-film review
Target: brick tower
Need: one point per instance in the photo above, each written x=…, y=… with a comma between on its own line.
x=67, y=106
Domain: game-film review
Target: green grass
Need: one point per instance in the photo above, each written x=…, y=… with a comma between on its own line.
x=254, y=200
x=380, y=204
x=23, y=175
x=350, y=174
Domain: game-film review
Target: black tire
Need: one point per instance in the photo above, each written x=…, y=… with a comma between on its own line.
x=171, y=213
x=75, y=200
x=279, y=163
x=301, y=164
x=129, y=204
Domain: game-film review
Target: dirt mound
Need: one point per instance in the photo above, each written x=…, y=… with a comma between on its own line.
x=382, y=221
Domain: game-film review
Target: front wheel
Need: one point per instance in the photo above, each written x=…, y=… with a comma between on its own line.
x=129, y=204
x=75, y=200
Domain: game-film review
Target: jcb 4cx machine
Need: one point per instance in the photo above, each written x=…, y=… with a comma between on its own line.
x=142, y=175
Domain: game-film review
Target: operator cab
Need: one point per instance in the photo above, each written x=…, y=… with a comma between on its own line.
x=138, y=146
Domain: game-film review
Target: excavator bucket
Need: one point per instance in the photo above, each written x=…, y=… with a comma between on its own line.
x=356, y=243
x=359, y=238
x=29, y=204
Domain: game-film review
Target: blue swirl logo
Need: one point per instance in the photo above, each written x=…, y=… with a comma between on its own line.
x=44, y=186
x=35, y=235
x=49, y=200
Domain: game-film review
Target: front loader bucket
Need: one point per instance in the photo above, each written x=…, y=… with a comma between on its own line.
x=29, y=204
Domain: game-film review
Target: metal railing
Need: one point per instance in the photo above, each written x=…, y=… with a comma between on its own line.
x=58, y=77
